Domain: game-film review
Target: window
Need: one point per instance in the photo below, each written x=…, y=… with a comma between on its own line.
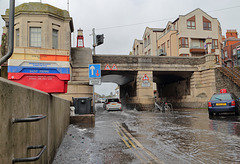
x=149, y=41
x=183, y=42
x=214, y=44
x=217, y=59
x=17, y=37
x=55, y=39
x=191, y=23
x=168, y=44
x=145, y=42
x=35, y=37
x=163, y=48
x=137, y=50
x=206, y=24
x=226, y=54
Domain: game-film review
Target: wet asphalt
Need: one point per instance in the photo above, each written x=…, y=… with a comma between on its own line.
x=130, y=136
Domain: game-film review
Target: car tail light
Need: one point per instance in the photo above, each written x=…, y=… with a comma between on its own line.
x=119, y=103
x=209, y=104
x=233, y=103
x=108, y=103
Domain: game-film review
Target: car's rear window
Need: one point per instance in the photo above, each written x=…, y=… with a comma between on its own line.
x=113, y=100
x=221, y=97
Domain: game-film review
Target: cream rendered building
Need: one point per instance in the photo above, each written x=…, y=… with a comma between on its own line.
x=186, y=36
x=150, y=38
x=41, y=25
x=137, y=48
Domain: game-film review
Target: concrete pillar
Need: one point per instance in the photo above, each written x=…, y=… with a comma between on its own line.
x=145, y=93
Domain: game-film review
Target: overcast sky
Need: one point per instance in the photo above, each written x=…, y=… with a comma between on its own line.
x=122, y=21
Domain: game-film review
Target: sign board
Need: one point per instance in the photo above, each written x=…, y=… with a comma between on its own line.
x=94, y=70
x=145, y=77
x=107, y=67
x=146, y=83
x=114, y=67
x=208, y=41
x=95, y=81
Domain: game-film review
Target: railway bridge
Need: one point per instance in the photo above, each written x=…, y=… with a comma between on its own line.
x=184, y=81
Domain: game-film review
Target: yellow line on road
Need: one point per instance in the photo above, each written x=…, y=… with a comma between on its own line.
x=128, y=139
x=139, y=144
x=119, y=133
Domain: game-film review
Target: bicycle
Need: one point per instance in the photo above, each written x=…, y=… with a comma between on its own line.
x=163, y=107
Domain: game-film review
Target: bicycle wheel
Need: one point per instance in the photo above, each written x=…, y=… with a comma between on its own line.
x=170, y=107
x=167, y=107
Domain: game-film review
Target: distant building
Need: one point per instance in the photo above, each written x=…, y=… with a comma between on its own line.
x=41, y=25
x=150, y=38
x=137, y=48
x=186, y=35
x=231, y=49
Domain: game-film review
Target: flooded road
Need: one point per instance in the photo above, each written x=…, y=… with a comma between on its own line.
x=184, y=136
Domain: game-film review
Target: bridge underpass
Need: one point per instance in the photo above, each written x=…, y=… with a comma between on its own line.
x=168, y=82
x=125, y=80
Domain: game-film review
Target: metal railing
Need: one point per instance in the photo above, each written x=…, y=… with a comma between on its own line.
x=32, y=118
x=31, y=159
x=231, y=73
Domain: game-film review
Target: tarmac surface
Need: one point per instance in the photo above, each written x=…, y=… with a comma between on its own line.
x=129, y=136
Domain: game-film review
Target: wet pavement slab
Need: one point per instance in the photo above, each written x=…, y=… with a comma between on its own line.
x=130, y=136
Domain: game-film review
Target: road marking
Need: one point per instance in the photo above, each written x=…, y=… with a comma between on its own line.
x=139, y=144
x=128, y=139
x=118, y=131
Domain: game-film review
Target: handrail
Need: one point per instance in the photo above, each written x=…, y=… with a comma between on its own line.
x=231, y=73
x=32, y=118
x=31, y=159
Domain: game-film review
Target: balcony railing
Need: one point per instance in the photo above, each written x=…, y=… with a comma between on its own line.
x=197, y=49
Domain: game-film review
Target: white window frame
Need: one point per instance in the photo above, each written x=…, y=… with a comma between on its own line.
x=38, y=37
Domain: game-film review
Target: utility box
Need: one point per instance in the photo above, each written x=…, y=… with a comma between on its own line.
x=82, y=105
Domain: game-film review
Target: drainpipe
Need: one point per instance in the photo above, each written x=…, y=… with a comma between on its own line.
x=10, y=33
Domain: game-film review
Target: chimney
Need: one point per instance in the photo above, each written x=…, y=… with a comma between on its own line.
x=231, y=34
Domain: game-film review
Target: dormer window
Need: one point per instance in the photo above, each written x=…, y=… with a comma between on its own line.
x=191, y=23
x=206, y=24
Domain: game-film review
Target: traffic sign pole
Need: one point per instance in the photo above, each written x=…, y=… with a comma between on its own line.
x=94, y=72
x=93, y=99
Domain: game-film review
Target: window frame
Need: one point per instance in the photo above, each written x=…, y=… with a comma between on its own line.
x=185, y=41
x=214, y=46
x=17, y=42
x=39, y=36
x=190, y=25
x=207, y=24
x=57, y=39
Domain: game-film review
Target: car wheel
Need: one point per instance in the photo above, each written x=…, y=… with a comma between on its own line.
x=210, y=113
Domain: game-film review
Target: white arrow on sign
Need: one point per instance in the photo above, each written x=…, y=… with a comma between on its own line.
x=92, y=68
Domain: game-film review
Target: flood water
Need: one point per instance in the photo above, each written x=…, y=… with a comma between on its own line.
x=129, y=136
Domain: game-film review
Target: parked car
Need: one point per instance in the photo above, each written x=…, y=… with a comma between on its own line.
x=113, y=104
x=223, y=103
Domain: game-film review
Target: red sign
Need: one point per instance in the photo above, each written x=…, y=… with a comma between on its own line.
x=114, y=67
x=107, y=67
x=145, y=77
